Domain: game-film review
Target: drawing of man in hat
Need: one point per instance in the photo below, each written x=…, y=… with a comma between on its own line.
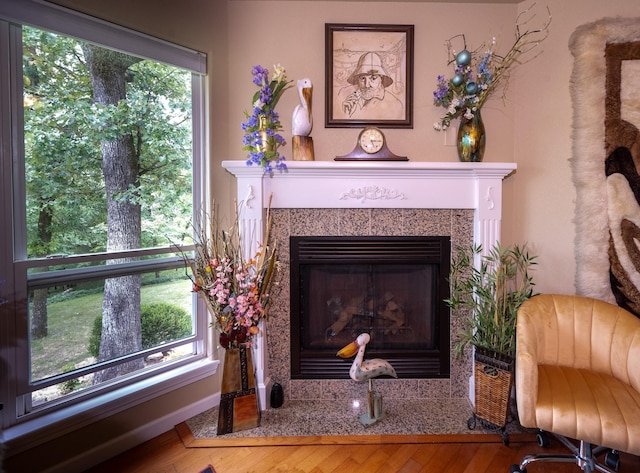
x=369, y=97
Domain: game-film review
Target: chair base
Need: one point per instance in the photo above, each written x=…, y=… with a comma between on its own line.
x=583, y=455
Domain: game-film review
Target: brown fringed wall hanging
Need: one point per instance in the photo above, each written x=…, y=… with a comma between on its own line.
x=605, y=92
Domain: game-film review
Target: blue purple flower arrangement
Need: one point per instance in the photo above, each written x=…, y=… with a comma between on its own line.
x=262, y=138
x=478, y=73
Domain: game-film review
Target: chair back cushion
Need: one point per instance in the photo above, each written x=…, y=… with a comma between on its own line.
x=583, y=333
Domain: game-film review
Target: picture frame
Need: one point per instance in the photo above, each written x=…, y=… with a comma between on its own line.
x=369, y=75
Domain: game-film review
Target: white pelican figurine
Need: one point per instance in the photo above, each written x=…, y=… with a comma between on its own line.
x=365, y=371
x=302, y=121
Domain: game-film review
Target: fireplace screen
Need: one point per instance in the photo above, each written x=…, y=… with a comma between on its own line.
x=390, y=287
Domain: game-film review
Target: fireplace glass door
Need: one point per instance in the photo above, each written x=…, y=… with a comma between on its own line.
x=386, y=301
x=392, y=288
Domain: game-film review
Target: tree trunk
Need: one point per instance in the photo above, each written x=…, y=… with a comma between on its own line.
x=121, y=332
x=39, y=315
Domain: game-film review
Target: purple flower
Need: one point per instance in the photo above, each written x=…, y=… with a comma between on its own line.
x=280, y=165
x=279, y=138
x=264, y=101
x=442, y=91
x=483, y=69
x=265, y=95
x=260, y=75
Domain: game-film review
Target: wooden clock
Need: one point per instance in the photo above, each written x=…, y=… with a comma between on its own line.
x=371, y=146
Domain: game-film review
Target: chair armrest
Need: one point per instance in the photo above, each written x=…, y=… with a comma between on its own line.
x=526, y=380
x=625, y=349
x=526, y=363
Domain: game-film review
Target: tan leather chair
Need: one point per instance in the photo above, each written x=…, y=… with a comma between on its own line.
x=578, y=376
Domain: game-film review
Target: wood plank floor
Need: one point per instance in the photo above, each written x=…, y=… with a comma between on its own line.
x=168, y=453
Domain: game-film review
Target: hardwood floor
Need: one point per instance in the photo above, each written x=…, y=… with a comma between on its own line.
x=168, y=453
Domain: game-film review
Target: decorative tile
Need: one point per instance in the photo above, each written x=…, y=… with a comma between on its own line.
x=342, y=417
x=360, y=222
x=306, y=389
x=355, y=222
x=427, y=222
x=314, y=222
x=386, y=222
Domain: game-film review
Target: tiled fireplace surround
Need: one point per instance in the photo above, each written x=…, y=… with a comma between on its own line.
x=326, y=198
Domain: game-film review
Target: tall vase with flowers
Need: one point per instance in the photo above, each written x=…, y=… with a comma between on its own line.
x=477, y=75
x=262, y=126
x=235, y=289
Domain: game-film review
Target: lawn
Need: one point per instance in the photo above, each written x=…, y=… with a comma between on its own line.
x=70, y=323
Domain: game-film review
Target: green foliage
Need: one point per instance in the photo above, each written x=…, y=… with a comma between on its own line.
x=72, y=384
x=490, y=295
x=75, y=294
x=64, y=128
x=71, y=318
x=94, y=339
x=161, y=322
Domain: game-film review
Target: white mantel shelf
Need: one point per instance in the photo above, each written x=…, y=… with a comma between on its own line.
x=355, y=168
x=372, y=184
x=367, y=184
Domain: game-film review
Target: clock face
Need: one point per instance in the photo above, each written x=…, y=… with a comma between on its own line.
x=371, y=140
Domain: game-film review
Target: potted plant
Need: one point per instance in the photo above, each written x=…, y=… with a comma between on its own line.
x=488, y=289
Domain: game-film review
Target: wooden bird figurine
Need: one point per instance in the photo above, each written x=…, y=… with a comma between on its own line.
x=365, y=370
x=302, y=121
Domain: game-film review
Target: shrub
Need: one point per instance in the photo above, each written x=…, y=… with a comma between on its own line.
x=69, y=385
x=94, y=339
x=160, y=322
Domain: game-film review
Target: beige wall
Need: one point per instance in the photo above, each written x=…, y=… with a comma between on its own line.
x=532, y=129
x=541, y=196
x=296, y=40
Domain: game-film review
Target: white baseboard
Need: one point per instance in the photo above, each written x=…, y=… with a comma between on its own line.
x=118, y=445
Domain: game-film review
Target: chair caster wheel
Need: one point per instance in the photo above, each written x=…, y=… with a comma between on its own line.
x=543, y=439
x=516, y=469
x=612, y=460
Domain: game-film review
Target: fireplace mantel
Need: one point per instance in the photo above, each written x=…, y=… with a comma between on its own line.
x=367, y=184
x=370, y=184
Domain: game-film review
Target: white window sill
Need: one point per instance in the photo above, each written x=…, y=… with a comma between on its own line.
x=49, y=426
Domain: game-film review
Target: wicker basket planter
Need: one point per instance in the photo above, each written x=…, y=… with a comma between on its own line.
x=493, y=382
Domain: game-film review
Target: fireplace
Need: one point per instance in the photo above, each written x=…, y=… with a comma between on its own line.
x=345, y=199
x=392, y=287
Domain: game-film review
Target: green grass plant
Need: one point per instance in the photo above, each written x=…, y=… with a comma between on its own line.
x=490, y=295
x=70, y=321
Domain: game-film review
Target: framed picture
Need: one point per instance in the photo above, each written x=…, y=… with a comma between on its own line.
x=369, y=75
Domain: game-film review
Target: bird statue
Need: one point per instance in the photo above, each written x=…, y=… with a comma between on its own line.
x=302, y=121
x=365, y=371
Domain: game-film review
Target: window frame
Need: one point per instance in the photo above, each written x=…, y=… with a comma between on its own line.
x=98, y=402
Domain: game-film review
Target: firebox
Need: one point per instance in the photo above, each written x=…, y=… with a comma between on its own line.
x=393, y=288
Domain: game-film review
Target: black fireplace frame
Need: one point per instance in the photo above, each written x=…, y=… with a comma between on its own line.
x=430, y=250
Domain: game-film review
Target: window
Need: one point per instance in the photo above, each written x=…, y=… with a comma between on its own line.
x=100, y=174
